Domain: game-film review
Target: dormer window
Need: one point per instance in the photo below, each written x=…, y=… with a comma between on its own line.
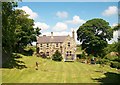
x=68, y=44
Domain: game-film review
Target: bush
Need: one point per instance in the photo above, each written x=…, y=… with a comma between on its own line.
x=43, y=55
x=117, y=59
x=57, y=56
x=115, y=65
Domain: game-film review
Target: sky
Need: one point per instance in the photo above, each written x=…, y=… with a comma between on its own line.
x=70, y=0
x=63, y=17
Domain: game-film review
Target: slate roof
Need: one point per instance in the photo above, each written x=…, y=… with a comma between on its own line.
x=49, y=39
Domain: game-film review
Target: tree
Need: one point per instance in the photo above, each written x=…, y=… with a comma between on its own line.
x=57, y=56
x=117, y=28
x=8, y=27
x=94, y=35
x=117, y=44
x=25, y=32
x=17, y=29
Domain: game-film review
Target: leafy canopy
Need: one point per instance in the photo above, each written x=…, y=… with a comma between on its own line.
x=8, y=26
x=24, y=32
x=94, y=35
x=17, y=29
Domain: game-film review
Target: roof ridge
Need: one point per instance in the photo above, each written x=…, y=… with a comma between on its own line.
x=48, y=39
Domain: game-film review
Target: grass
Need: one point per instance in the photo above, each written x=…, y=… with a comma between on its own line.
x=57, y=72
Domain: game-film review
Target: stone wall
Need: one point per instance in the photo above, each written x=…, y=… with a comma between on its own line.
x=63, y=47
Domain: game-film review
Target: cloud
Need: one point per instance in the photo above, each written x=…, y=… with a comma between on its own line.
x=115, y=37
x=43, y=26
x=76, y=20
x=112, y=10
x=114, y=24
x=62, y=14
x=63, y=33
x=60, y=26
x=32, y=14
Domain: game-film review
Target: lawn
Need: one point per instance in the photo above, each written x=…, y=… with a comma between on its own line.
x=58, y=72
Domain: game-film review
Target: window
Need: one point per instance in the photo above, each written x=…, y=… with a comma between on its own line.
x=40, y=45
x=56, y=44
x=70, y=53
x=47, y=53
x=67, y=53
x=68, y=44
x=41, y=53
x=47, y=45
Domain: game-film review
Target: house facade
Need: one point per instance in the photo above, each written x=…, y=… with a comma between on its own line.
x=66, y=45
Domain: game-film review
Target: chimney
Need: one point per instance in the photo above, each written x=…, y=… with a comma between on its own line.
x=73, y=34
x=51, y=34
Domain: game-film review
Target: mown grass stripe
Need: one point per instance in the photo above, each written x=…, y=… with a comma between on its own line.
x=53, y=72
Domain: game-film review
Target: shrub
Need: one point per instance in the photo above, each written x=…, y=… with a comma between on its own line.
x=57, y=56
x=43, y=55
x=109, y=57
x=115, y=65
x=117, y=59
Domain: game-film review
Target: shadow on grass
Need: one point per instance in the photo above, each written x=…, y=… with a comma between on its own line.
x=14, y=62
x=111, y=78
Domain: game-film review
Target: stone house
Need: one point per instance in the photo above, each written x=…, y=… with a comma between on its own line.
x=66, y=45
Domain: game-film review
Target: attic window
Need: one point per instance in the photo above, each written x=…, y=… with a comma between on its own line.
x=68, y=44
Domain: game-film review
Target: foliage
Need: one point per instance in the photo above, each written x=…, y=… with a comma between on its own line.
x=57, y=56
x=117, y=46
x=94, y=35
x=114, y=47
x=28, y=47
x=117, y=59
x=8, y=26
x=83, y=55
x=111, y=58
x=115, y=65
x=25, y=33
x=109, y=48
x=17, y=29
x=117, y=27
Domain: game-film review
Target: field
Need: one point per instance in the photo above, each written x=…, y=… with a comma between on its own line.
x=57, y=72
